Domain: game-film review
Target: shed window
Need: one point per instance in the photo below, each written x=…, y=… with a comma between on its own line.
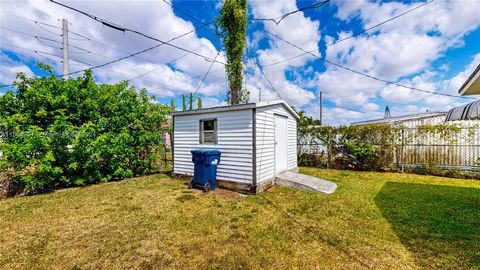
x=208, y=131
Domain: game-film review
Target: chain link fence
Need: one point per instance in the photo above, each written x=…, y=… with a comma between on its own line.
x=461, y=151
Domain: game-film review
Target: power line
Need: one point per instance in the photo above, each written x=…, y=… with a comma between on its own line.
x=379, y=24
x=137, y=53
x=194, y=18
x=168, y=63
x=364, y=74
x=206, y=74
x=70, y=45
x=43, y=52
x=34, y=21
x=187, y=14
x=268, y=80
x=141, y=75
x=124, y=29
x=84, y=38
x=188, y=52
x=355, y=34
x=40, y=38
x=278, y=20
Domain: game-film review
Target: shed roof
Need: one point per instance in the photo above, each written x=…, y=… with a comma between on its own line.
x=398, y=119
x=239, y=107
x=465, y=112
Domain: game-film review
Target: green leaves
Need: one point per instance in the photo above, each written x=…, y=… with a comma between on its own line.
x=60, y=133
x=233, y=21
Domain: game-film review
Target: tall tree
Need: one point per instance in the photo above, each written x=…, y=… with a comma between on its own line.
x=233, y=22
x=184, y=103
x=190, y=101
x=200, y=105
x=172, y=105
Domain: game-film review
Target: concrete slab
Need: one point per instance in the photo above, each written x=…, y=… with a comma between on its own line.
x=305, y=182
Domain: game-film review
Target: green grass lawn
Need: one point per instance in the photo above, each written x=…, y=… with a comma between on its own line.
x=374, y=220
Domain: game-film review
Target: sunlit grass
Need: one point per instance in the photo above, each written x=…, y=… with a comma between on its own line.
x=374, y=220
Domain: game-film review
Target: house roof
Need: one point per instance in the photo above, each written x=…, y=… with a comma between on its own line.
x=398, y=119
x=465, y=112
x=472, y=84
x=238, y=107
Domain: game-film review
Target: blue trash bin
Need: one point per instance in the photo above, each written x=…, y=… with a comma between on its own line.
x=205, y=169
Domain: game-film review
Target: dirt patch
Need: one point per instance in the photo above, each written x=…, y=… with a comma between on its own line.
x=227, y=194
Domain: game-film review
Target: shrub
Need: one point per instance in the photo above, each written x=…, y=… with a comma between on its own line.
x=60, y=133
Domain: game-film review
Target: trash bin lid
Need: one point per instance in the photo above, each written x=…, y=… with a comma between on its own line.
x=211, y=152
x=207, y=152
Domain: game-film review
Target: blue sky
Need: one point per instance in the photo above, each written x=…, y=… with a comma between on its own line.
x=433, y=48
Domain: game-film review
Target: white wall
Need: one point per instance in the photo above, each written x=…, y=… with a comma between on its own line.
x=265, y=131
x=234, y=141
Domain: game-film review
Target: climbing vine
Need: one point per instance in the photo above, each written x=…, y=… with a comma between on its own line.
x=233, y=24
x=378, y=147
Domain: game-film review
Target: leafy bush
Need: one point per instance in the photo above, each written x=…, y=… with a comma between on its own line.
x=431, y=169
x=364, y=153
x=60, y=133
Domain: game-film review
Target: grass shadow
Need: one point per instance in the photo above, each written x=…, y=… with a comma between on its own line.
x=440, y=225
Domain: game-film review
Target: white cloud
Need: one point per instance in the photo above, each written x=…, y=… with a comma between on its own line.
x=213, y=102
x=370, y=107
x=305, y=35
x=346, y=88
x=401, y=50
x=146, y=16
x=340, y=116
x=453, y=85
x=9, y=69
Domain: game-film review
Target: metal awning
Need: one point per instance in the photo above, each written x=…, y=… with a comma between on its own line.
x=468, y=111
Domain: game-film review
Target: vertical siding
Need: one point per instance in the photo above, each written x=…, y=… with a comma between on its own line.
x=265, y=141
x=234, y=141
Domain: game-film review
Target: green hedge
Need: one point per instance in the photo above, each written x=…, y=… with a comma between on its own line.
x=60, y=133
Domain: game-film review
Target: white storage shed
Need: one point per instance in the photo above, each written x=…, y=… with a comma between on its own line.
x=257, y=141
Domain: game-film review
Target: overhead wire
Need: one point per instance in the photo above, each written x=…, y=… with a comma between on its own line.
x=166, y=64
x=206, y=74
x=365, y=74
x=136, y=54
x=40, y=40
x=279, y=19
x=141, y=75
x=380, y=24
x=125, y=29
x=355, y=34
x=189, y=15
x=256, y=63
x=69, y=45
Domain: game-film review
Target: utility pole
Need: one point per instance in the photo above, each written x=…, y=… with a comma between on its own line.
x=321, y=107
x=65, y=48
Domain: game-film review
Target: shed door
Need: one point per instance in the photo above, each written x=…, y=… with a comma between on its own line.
x=280, y=143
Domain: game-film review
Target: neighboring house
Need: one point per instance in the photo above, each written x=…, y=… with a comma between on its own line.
x=409, y=120
x=472, y=84
x=257, y=141
x=166, y=134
